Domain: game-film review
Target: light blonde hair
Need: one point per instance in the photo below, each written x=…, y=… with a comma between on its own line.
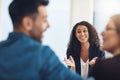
x=116, y=20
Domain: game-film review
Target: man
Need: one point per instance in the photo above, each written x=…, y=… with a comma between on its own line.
x=22, y=56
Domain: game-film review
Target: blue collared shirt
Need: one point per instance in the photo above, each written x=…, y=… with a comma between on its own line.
x=22, y=58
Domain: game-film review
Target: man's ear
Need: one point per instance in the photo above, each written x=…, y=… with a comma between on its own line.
x=27, y=23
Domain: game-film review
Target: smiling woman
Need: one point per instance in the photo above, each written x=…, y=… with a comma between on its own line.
x=83, y=48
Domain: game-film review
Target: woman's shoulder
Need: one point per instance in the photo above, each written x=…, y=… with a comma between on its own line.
x=105, y=62
x=97, y=51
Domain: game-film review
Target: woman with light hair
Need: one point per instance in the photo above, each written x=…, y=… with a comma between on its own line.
x=109, y=69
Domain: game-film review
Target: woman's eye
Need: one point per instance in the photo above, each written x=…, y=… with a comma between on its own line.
x=84, y=31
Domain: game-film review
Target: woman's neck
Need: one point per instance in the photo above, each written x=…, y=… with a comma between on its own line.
x=116, y=52
x=85, y=46
x=84, y=53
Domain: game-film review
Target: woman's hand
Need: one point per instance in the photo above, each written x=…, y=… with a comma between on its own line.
x=70, y=62
x=92, y=62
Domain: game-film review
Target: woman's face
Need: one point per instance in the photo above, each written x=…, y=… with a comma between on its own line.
x=82, y=34
x=111, y=41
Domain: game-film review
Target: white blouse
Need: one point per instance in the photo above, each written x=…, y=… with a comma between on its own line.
x=84, y=68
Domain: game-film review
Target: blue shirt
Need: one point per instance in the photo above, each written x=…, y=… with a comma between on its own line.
x=22, y=58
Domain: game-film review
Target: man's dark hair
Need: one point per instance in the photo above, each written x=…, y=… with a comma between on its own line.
x=21, y=8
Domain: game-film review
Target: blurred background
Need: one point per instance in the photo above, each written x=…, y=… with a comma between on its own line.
x=62, y=15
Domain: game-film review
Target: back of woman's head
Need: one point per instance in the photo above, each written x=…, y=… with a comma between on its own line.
x=116, y=21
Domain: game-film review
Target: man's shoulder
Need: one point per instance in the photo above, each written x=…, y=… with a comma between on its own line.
x=40, y=48
x=45, y=50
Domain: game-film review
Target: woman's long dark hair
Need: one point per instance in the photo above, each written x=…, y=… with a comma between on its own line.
x=74, y=45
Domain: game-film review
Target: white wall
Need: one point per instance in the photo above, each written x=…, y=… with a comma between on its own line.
x=6, y=22
x=103, y=10
x=0, y=21
x=57, y=35
x=81, y=10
